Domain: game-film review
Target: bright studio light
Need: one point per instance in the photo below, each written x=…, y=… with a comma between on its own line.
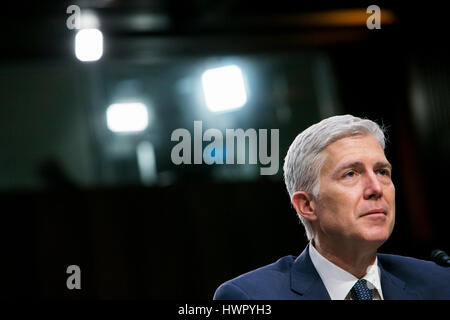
x=89, y=44
x=127, y=117
x=224, y=88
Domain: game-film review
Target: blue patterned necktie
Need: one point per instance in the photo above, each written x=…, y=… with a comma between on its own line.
x=360, y=291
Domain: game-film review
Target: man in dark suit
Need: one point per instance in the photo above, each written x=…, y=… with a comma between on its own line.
x=339, y=182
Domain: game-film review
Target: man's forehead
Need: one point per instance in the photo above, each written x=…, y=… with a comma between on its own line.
x=355, y=144
x=353, y=149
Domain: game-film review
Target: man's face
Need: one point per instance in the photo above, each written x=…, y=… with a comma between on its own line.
x=355, y=179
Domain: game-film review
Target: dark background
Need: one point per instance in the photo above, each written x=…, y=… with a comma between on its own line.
x=70, y=190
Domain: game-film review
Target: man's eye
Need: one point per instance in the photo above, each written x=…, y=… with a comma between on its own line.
x=383, y=172
x=350, y=174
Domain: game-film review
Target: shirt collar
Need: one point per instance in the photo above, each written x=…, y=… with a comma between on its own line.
x=337, y=281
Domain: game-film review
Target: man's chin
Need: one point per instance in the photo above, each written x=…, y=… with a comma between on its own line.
x=375, y=239
x=375, y=236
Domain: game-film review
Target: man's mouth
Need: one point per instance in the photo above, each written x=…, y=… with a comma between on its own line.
x=378, y=211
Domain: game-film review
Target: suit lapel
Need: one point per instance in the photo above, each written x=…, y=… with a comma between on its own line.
x=305, y=281
x=394, y=288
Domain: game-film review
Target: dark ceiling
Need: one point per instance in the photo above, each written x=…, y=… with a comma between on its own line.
x=37, y=29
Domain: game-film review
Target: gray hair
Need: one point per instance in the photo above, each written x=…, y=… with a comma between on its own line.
x=305, y=158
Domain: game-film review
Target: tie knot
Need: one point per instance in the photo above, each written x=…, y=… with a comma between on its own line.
x=360, y=291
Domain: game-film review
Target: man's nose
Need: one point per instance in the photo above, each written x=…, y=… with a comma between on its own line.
x=372, y=188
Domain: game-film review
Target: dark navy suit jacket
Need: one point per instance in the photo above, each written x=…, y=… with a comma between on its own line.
x=291, y=278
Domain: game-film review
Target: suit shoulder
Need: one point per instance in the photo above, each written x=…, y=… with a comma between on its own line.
x=256, y=283
x=416, y=270
x=397, y=260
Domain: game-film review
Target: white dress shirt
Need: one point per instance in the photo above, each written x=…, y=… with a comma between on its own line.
x=339, y=282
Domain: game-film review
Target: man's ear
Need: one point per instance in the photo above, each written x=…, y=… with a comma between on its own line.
x=304, y=205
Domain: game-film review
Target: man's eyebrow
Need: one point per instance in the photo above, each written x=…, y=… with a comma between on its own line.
x=346, y=165
x=359, y=164
x=383, y=164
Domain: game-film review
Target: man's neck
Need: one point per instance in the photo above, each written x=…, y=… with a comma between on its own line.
x=355, y=260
